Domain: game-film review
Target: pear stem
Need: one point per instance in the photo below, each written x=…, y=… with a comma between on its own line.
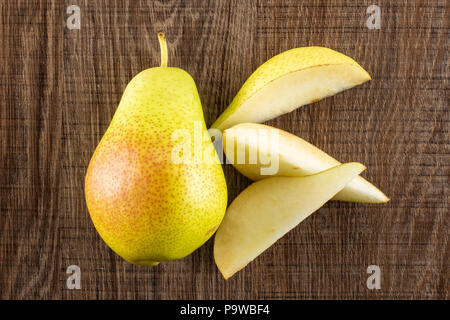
x=163, y=46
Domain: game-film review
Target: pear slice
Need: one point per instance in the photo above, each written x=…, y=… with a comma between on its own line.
x=268, y=209
x=290, y=80
x=289, y=156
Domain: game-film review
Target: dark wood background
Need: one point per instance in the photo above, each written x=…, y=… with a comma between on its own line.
x=59, y=89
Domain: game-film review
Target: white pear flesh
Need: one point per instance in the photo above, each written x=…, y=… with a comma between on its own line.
x=294, y=90
x=296, y=158
x=268, y=209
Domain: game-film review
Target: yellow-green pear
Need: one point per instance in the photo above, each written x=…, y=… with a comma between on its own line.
x=267, y=151
x=151, y=193
x=290, y=80
x=268, y=209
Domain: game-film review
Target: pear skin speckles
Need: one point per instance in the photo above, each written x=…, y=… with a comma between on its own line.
x=144, y=206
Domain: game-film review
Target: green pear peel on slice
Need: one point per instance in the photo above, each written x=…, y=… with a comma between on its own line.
x=296, y=158
x=290, y=80
x=268, y=209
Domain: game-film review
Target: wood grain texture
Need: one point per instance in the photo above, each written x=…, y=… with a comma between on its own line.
x=59, y=89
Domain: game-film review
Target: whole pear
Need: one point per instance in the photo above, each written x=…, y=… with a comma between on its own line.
x=146, y=203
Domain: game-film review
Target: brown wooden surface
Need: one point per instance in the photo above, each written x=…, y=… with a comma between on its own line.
x=59, y=89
